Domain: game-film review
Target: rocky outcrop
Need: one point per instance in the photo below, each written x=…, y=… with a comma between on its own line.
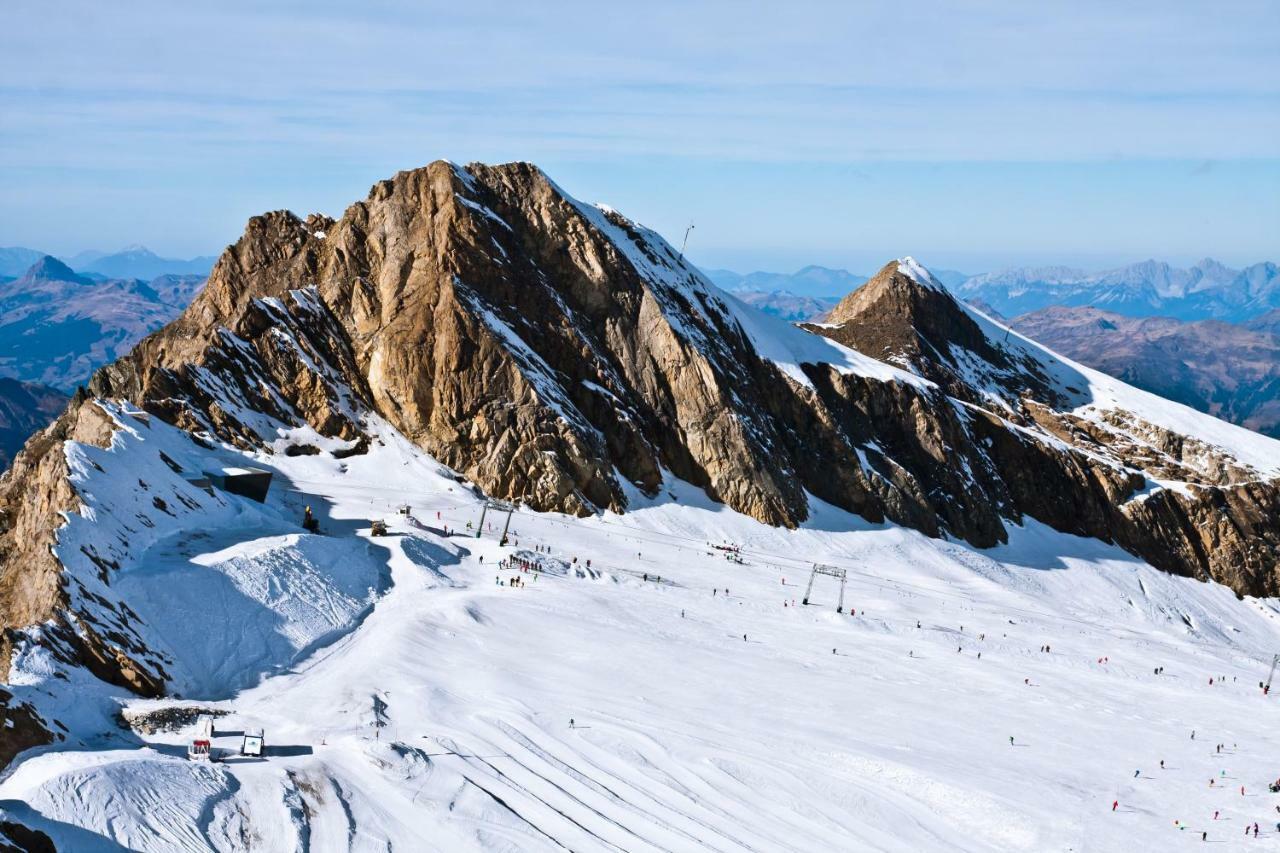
x=557, y=354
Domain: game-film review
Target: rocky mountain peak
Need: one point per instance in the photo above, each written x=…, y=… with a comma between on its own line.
x=50, y=268
x=904, y=316
x=558, y=354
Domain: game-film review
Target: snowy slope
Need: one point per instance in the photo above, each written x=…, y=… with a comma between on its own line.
x=709, y=713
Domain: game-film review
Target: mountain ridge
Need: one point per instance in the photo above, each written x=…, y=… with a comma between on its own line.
x=558, y=354
x=1206, y=290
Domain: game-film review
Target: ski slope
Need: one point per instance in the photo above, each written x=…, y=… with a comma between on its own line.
x=709, y=713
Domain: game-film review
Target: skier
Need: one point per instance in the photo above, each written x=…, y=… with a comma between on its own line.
x=1136, y=773
x=1162, y=764
x=1114, y=804
x=1010, y=740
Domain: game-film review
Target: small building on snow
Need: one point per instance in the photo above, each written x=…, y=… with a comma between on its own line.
x=251, y=483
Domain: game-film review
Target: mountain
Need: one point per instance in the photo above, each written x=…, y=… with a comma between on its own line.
x=1229, y=371
x=141, y=263
x=1206, y=290
x=58, y=326
x=15, y=260
x=950, y=278
x=469, y=334
x=786, y=305
x=809, y=281
x=24, y=409
x=1268, y=323
x=82, y=260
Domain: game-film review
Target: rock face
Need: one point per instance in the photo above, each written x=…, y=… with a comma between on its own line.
x=1230, y=371
x=560, y=355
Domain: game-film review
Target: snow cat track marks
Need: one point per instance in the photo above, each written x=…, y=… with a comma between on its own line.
x=601, y=788
x=710, y=798
x=507, y=807
x=507, y=779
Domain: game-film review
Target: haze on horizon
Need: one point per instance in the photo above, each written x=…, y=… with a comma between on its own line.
x=969, y=135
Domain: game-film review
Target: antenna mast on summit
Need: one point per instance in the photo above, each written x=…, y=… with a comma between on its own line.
x=686, y=240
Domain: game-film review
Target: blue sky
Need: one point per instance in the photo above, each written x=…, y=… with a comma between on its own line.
x=973, y=135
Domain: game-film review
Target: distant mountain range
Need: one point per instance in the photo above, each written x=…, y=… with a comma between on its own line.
x=1207, y=335
x=130, y=262
x=24, y=408
x=810, y=281
x=1228, y=370
x=1207, y=290
x=806, y=294
x=58, y=326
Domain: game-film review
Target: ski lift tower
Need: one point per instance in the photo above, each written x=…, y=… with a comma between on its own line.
x=830, y=571
x=496, y=506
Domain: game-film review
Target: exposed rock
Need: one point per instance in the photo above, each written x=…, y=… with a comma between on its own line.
x=169, y=719
x=548, y=351
x=20, y=728
x=20, y=838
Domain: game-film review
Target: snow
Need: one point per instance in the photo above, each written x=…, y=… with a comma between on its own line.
x=917, y=272
x=240, y=472
x=414, y=697
x=789, y=346
x=226, y=614
x=440, y=719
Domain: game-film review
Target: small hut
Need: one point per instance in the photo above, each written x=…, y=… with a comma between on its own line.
x=251, y=483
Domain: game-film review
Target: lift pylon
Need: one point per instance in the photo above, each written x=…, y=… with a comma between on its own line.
x=831, y=571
